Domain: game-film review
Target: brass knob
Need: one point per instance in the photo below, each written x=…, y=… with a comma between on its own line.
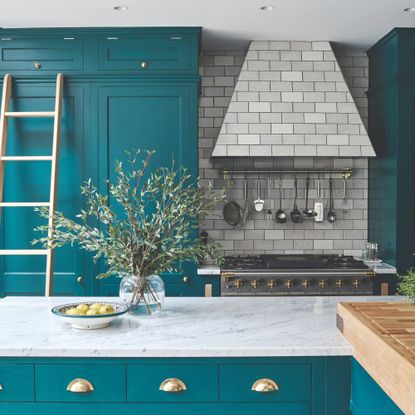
x=80, y=385
x=288, y=284
x=271, y=283
x=339, y=283
x=144, y=65
x=254, y=284
x=186, y=279
x=322, y=283
x=37, y=65
x=1, y=387
x=356, y=283
x=172, y=385
x=227, y=274
x=238, y=283
x=80, y=280
x=265, y=386
x=305, y=283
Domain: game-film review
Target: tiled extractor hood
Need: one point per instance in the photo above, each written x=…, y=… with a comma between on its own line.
x=291, y=100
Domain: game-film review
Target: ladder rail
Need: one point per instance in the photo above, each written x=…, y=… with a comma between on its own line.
x=5, y=105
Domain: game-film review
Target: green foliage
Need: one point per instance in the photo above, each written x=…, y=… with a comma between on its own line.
x=406, y=285
x=155, y=229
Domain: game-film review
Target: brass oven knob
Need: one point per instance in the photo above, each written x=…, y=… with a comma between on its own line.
x=305, y=283
x=288, y=284
x=172, y=385
x=238, y=283
x=254, y=284
x=271, y=283
x=80, y=385
x=339, y=283
x=356, y=283
x=322, y=283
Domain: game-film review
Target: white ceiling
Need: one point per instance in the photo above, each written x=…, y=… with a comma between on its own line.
x=226, y=23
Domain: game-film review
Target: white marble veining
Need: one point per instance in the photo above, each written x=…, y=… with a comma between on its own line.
x=208, y=270
x=187, y=327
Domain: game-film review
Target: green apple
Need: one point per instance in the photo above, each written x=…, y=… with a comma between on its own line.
x=96, y=306
x=106, y=309
x=72, y=311
x=92, y=312
x=82, y=307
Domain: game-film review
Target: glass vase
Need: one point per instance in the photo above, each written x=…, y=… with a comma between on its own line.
x=143, y=295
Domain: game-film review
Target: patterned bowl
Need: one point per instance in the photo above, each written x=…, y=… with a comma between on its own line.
x=89, y=322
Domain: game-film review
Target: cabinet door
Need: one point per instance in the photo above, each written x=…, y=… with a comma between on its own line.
x=30, y=181
x=157, y=116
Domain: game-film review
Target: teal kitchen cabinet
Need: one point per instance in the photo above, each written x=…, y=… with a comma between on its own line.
x=367, y=396
x=112, y=103
x=392, y=129
x=205, y=386
x=29, y=181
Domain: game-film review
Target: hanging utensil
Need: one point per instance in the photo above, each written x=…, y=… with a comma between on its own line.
x=344, y=197
x=269, y=212
x=318, y=204
x=280, y=215
x=232, y=212
x=296, y=215
x=247, y=210
x=309, y=213
x=258, y=203
x=331, y=216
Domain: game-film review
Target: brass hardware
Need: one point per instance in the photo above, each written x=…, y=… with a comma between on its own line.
x=271, y=283
x=322, y=283
x=208, y=290
x=265, y=386
x=339, y=283
x=37, y=65
x=254, y=284
x=384, y=288
x=80, y=385
x=238, y=283
x=305, y=283
x=144, y=65
x=80, y=280
x=288, y=284
x=227, y=274
x=370, y=274
x=1, y=387
x=356, y=283
x=186, y=279
x=173, y=385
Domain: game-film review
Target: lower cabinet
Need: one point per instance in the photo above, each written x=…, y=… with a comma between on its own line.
x=175, y=386
x=367, y=396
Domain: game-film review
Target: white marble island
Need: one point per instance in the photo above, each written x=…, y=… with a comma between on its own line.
x=187, y=327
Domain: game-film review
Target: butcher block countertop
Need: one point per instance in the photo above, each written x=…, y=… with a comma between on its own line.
x=382, y=335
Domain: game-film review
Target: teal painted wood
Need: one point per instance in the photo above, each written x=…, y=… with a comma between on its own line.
x=17, y=382
x=322, y=399
x=367, y=396
x=109, y=382
x=293, y=380
x=144, y=382
x=29, y=181
x=391, y=128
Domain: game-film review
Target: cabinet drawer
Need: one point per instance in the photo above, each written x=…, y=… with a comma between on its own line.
x=293, y=382
x=108, y=382
x=41, y=55
x=17, y=383
x=145, y=54
x=144, y=383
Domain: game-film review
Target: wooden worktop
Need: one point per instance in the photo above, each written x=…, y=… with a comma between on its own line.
x=383, y=338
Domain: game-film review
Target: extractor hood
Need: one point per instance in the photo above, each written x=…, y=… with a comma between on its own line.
x=291, y=99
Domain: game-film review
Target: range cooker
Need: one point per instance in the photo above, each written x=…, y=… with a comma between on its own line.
x=295, y=275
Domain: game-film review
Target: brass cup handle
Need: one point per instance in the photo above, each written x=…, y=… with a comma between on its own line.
x=265, y=385
x=80, y=385
x=173, y=385
x=37, y=65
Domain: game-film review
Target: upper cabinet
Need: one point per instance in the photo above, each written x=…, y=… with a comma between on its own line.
x=123, y=89
x=117, y=51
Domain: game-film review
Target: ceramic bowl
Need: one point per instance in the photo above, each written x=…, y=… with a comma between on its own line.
x=84, y=322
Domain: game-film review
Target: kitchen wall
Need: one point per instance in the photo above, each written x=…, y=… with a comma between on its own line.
x=219, y=71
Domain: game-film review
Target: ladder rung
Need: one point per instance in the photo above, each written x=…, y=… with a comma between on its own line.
x=40, y=114
x=23, y=204
x=23, y=251
x=25, y=158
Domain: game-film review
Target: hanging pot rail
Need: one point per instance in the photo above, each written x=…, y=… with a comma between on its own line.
x=346, y=173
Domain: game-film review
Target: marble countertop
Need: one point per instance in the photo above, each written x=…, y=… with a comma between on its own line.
x=187, y=327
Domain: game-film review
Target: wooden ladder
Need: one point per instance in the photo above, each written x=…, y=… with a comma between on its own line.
x=5, y=114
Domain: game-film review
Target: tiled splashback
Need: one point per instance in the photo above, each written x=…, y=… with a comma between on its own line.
x=347, y=235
